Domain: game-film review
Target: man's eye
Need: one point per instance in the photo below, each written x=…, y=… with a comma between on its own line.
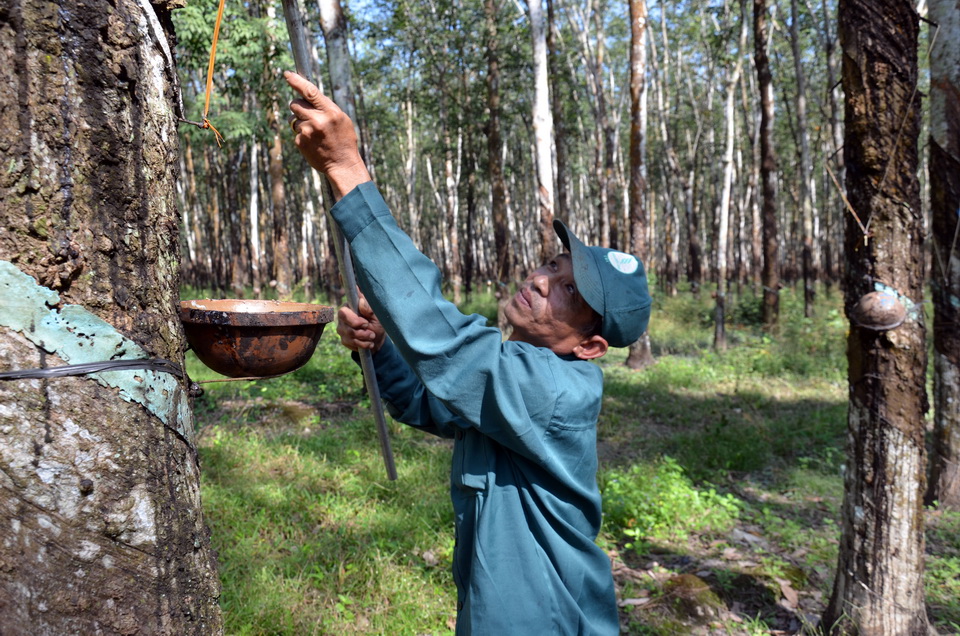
x=553, y=265
x=571, y=290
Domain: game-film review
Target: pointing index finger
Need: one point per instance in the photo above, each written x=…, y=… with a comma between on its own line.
x=307, y=89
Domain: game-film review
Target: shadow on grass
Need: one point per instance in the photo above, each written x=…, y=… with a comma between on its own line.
x=738, y=430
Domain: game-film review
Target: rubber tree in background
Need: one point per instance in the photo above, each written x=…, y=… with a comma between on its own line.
x=770, y=277
x=99, y=481
x=555, y=68
x=587, y=21
x=944, y=483
x=282, y=270
x=833, y=142
x=732, y=80
x=878, y=588
x=498, y=190
x=334, y=27
x=543, y=130
x=810, y=259
x=640, y=355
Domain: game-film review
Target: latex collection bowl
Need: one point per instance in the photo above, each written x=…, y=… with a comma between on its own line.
x=253, y=338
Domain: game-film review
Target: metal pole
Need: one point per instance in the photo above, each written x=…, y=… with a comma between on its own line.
x=302, y=59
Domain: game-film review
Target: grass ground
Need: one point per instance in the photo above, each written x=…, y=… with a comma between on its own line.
x=720, y=475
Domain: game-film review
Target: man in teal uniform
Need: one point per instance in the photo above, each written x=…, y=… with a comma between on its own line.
x=522, y=412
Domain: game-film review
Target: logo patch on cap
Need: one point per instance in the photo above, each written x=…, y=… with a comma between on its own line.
x=623, y=263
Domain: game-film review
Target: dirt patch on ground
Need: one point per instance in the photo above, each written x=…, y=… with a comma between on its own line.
x=734, y=582
x=720, y=588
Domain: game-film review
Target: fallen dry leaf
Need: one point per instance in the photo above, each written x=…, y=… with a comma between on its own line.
x=789, y=594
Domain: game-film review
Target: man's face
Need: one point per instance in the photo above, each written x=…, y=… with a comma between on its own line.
x=547, y=310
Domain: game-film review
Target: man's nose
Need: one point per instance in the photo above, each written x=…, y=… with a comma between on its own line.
x=541, y=283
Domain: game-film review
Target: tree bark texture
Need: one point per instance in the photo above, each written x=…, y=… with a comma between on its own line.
x=282, y=270
x=640, y=355
x=878, y=588
x=498, y=194
x=101, y=530
x=770, y=277
x=945, y=278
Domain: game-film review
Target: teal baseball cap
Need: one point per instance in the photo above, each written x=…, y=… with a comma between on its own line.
x=614, y=283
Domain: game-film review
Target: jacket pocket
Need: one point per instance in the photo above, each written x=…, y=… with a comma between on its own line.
x=472, y=457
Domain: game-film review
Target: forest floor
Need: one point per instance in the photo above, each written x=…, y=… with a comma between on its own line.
x=721, y=477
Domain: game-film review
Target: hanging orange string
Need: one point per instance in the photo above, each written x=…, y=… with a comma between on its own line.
x=213, y=55
x=205, y=123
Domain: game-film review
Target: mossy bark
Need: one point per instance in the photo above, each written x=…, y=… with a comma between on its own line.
x=101, y=529
x=879, y=582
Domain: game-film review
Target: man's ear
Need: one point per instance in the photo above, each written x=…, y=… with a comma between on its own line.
x=591, y=348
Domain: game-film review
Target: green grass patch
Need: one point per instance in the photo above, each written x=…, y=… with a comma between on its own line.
x=313, y=539
x=942, y=579
x=658, y=502
x=311, y=536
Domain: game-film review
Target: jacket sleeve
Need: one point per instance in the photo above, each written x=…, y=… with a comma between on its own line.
x=509, y=391
x=407, y=399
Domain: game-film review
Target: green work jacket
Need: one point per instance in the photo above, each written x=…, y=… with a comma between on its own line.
x=523, y=419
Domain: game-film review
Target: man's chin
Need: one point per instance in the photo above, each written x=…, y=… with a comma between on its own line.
x=513, y=317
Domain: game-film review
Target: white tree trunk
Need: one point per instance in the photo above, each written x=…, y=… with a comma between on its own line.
x=255, y=250
x=719, y=340
x=338, y=58
x=542, y=126
x=410, y=164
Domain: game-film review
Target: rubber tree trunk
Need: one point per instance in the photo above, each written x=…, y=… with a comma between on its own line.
x=256, y=254
x=282, y=269
x=410, y=162
x=835, y=144
x=498, y=190
x=733, y=77
x=945, y=277
x=100, y=517
x=213, y=174
x=810, y=265
x=768, y=170
x=561, y=206
x=640, y=355
x=451, y=199
x=543, y=131
x=878, y=588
